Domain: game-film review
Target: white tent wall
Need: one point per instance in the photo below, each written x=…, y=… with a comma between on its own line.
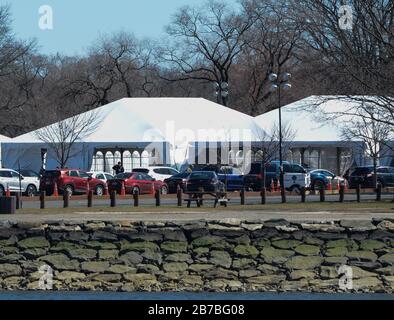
x=82, y=154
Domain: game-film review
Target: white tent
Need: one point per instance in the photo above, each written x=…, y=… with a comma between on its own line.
x=176, y=122
x=317, y=123
x=2, y=140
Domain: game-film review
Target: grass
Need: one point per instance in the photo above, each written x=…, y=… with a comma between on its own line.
x=366, y=206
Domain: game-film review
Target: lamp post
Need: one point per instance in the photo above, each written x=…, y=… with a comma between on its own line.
x=277, y=84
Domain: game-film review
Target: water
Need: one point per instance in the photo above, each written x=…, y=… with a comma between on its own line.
x=34, y=295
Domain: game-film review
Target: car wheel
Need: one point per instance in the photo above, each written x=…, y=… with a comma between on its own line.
x=31, y=190
x=164, y=190
x=2, y=191
x=296, y=189
x=99, y=190
x=136, y=190
x=69, y=189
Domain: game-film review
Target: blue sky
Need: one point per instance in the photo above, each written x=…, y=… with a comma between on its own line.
x=77, y=23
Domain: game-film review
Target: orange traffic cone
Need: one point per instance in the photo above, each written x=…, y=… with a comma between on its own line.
x=272, y=185
x=346, y=185
x=55, y=190
x=339, y=184
x=329, y=185
x=278, y=185
x=8, y=192
x=123, y=190
x=153, y=189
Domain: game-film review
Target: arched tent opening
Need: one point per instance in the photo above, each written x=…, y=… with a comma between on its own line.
x=98, y=162
x=109, y=161
x=127, y=161
x=145, y=159
x=136, y=159
x=231, y=157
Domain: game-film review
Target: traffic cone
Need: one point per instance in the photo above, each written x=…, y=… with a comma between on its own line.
x=339, y=185
x=123, y=190
x=106, y=189
x=278, y=186
x=329, y=185
x=153, y=189
x=346, y=185
x=272, y=185
x=8, y=192
x=55, y=190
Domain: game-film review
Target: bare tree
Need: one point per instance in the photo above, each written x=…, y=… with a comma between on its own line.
x=374, y=136
x=268, y=147
x=206, y=43
x=62, y=136
x=271, y=45
x=355, y=48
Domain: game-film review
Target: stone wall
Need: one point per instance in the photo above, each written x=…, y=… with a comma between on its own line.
x=228, y=255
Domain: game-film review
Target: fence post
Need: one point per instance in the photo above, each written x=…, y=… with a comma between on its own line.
x=341, y=193
x=322, y=193
x=66, y=199
x=243, y=196
x=42, y=200
x=179, y=195
x=263, y=195
x=136, y=197
x=379, y=192
x=90, y=198
x=303, y=194
x=18, y=201
x=113, y=198
x=157, y=197
x=358, y=191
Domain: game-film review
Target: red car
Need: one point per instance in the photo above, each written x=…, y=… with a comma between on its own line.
x=73, y=180
x=136, y=181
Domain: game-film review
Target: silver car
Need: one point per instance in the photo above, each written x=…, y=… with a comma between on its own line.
x=12, y=180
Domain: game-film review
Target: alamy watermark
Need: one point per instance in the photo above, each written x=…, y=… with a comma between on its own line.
x=345, y=21
x=46, y=280
x=45, y=21
x=345, y=277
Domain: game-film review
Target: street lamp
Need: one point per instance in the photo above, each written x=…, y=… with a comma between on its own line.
x=277, y=84
x=221, y=91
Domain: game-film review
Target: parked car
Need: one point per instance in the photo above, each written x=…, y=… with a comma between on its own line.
x=232, y=177
x=364, y=176
x=31, y=177
x=177, y=179
x=103, y=176
x=204, y=181
x=295, y=176
x=159, y=173
x=17, y=183
x=320, y=178
x=75, y=181
x=136, y=181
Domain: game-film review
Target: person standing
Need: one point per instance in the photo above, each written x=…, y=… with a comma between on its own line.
x=118, y=168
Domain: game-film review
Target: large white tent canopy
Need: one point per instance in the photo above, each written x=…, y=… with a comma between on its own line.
x=178, y=122
x=316, y=118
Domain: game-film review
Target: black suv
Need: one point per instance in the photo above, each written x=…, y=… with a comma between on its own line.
x=363, y=176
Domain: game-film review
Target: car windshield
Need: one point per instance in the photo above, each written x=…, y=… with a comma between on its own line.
x=28, y=173
x=142, y=170
x=52, y=173
x=362, y=171
x=202, y=175
x=181, y=175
